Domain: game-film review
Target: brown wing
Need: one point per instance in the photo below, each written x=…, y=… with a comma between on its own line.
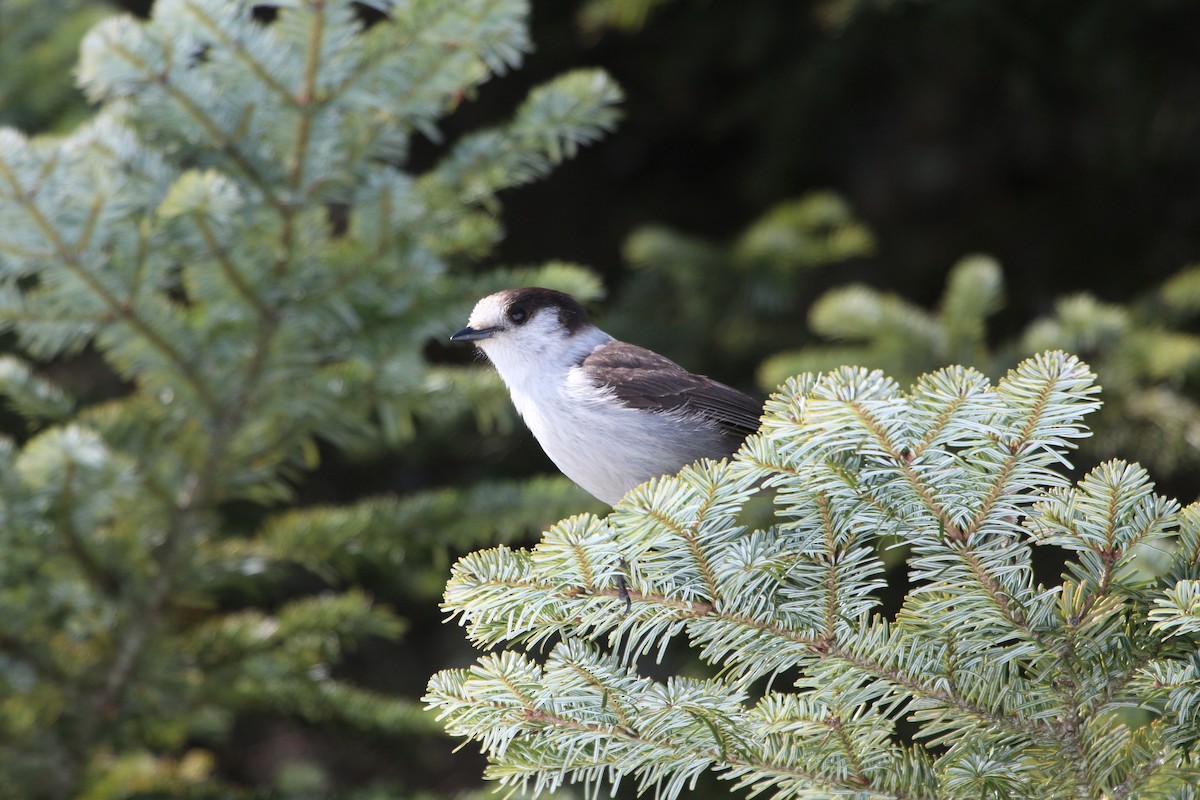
x=641, y=378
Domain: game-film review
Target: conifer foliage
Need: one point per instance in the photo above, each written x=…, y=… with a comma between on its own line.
x=234, y=236
x=987, y=682
x=740, y=300
x=1145, y=352
x=39, y=40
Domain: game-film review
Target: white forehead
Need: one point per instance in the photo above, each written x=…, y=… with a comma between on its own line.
x=489, y=311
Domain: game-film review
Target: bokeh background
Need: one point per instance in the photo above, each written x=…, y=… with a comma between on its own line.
x=794, y=184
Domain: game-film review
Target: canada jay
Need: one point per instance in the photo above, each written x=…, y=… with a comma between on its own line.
x=610, y=415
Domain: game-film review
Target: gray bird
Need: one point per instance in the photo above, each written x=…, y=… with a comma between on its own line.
x=610, y=415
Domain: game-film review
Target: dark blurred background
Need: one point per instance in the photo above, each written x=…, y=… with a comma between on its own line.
x=1058, y=138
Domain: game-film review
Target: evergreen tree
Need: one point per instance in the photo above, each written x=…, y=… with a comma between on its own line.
x=986, y=682
x=1147, y=358
x=234, y=240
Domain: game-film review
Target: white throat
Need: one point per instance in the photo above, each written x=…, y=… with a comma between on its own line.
x=540, y=361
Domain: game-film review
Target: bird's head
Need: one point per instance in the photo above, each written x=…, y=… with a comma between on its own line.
x=529, y=329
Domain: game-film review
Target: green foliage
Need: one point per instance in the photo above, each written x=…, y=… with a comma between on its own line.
x=39, y=41
x=626, y=15
x=885, y=331
x=233, y=238
x=1144, y=352
x=985, y=683
x=631, y=15
x=737, y=301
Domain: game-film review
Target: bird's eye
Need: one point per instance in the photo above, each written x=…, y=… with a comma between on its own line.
x=518, y=316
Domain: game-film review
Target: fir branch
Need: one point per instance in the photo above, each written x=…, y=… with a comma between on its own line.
x=118, y=307
x=307, y=96
x=227, y=36
x=233, y=236
x=928, y=689
x=1020, y=684
x=110, y=38
x=230, y=269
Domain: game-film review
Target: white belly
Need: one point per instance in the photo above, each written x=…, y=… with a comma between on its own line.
x=607, y=448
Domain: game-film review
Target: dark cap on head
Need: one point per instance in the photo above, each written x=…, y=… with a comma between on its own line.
x=571, y=315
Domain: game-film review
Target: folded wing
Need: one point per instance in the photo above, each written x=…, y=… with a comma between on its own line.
x=641, y=378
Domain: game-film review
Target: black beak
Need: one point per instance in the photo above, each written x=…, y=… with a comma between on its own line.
x=472, y=335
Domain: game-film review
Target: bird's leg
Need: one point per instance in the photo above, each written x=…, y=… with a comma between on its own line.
x=623, y=587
